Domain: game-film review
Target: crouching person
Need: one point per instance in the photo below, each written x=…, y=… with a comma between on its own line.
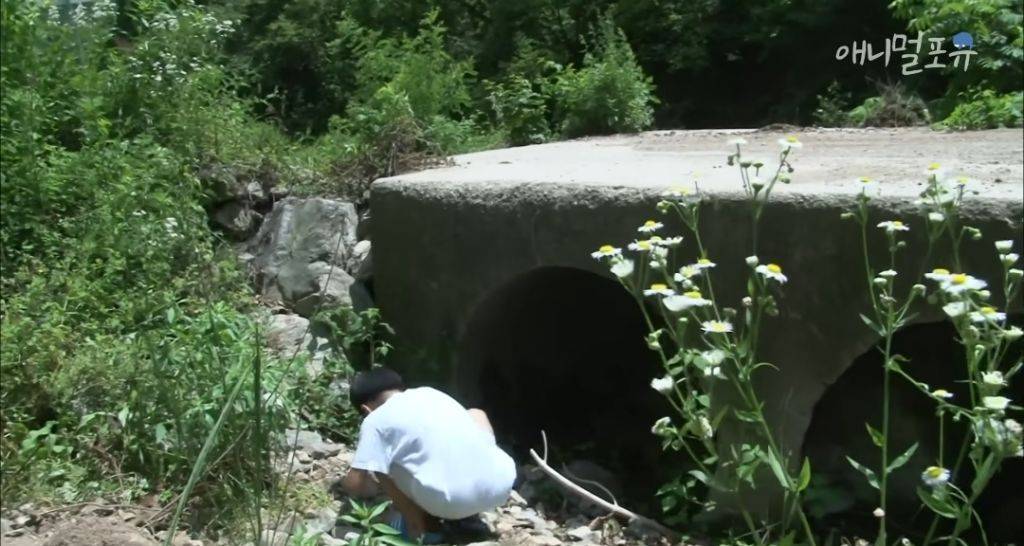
x=436, y=460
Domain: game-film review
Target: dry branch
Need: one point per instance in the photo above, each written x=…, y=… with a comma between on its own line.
x=613, y=508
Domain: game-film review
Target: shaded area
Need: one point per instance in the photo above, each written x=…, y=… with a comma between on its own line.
x=562, y=350
x=839, y=496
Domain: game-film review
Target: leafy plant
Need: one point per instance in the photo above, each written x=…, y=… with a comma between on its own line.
x=373, y=533
x=985, y=109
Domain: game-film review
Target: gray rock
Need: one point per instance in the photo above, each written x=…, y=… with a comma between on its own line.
x=312, y=443
x=271, y=537
x=5, y=526
x=580, y=533
x=321, y=520
x=236, y=219
x=361, y=261
x=291, y=335
x=485, y=543
x=301, y=254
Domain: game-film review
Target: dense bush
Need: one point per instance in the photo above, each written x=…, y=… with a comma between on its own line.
x=124, y=329
x=609, y=93
x=985, y=109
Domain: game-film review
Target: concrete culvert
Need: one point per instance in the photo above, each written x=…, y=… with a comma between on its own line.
x=840, y=496
x=563, y=350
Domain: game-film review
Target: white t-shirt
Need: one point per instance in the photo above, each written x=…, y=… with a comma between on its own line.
x=435, y=453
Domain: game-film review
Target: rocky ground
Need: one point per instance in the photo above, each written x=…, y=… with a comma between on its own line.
x=537, y=517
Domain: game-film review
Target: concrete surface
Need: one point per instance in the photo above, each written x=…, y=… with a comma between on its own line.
x=454, y=247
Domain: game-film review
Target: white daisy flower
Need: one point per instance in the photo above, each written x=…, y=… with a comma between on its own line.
x=1004, y=246
x=658, y=289
x=994, y=379
x=942, y=393
x=936, y=217
x=622, y=268
x=878, y=513
x=704, y=263
x=606, y=251
x=669, y=242
x=936, y=170
x=955, y=309
x=716, y=326
x=987, y=314
x=1013, y=333
x=687, y=272
x=790, y=142
x=938, y=274
x=660, y=425
x=714, y=371
x=714, y=357
x=705, y=427
x=650, y=226
x=995, y=403
x=641, y=246
x=866, y=185
x=664, y=385
x=935, y=476
x=1009, y=259
x=891, y=226
x=738, y=141
x=771, y=271
x=677, y=192
x=961, y=282
x=684, y=301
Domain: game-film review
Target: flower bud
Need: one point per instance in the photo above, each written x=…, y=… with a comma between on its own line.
x=846, y=216
x=918, y=289
x=747, y=302
x=880, y=282
x=879, y=513
x=729, y=312
x=984, y=294
x=1004, y=246
x=974, y=232
x=1009, y=259
x=901, y=244
x=752, y=261
x=1015, y=274
x=1013, y=333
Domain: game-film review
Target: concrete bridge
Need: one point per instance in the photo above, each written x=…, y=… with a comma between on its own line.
x=483, y=268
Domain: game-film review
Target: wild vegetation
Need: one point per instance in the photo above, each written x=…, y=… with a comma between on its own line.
x=131, y=361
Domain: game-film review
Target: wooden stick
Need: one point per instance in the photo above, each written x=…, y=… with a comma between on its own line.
x=613, y=508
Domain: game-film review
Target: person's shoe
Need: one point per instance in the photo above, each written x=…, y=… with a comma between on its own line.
x=471, y=529
x=398, y=524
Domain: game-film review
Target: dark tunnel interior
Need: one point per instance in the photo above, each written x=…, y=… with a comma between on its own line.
x=562, y=350
x=840, y=496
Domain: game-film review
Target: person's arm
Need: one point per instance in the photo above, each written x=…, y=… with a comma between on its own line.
x=359, y=483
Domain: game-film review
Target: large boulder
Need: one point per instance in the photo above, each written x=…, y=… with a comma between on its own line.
x=301, y=254
x=289, y=336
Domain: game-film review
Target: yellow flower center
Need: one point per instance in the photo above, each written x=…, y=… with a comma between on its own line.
x=940, y=271
x=681, y=190
x=897, y=224
x=606, y=249
x=695, y=294
x=791, y=139
x=774, y=268
x=942, y=393
x=658, y=287
x=654, y=238
x=934, y=472
x=988, y=310
x=933, y=167
x=643, y=245
x=864, y=180
x=649, y=223
x=959, y=278
x=718, y=326
x=703, y=261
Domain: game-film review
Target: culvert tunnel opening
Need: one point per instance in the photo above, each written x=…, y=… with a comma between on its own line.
x=839, y=496
x=562, y=350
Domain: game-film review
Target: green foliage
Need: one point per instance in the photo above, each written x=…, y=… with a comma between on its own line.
x=521, y=110
x=609, y=93
x=832, y=107
x=894, y=106
x=372, y=533
x=986, y=109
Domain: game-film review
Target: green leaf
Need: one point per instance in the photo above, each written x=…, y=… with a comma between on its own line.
x=378, y=510
x=871, y=324
x=939, y=505
x=385, y=529
x=776, y=466
x=805, y=475
x=876, y=436
x=868, y=473
x=902, y=459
